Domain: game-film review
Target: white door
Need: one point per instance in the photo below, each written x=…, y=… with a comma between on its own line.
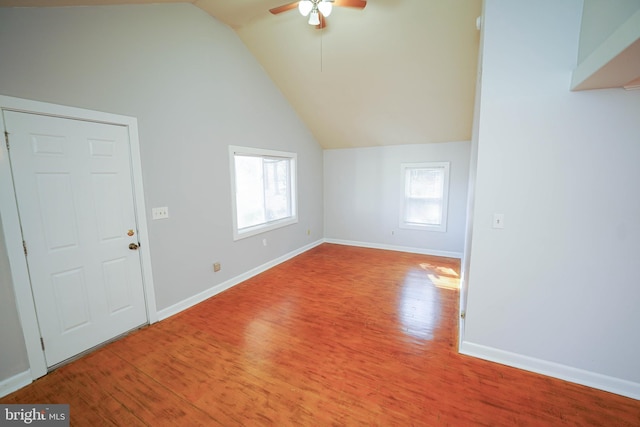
x=73, y=186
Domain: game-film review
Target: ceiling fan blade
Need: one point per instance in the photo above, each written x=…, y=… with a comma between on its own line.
x=323, y=22
x=284, y=8
x=360, y=4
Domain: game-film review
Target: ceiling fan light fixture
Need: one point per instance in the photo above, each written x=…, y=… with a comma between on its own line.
x=314, y=17
x=305, y=6
x=325, y=8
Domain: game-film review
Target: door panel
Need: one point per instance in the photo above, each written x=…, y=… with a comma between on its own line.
x=104, y=189
x=74, y=191
x=117, y=284
x=71, y=299
x=57, y=212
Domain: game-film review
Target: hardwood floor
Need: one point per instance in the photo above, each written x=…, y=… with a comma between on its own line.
x=338, y=336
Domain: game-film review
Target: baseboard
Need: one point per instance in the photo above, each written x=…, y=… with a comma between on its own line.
x=15, y=383
x=198, y=298
x=433, y=252
x=551, y=369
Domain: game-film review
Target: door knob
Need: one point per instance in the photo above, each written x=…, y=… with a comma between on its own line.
x=133, y=247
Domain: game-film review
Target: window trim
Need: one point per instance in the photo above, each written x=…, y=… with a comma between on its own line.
x=442, y=227
x=269, y=225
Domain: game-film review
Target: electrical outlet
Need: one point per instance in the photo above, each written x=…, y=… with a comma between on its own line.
x=160, y=213
x=216, y=266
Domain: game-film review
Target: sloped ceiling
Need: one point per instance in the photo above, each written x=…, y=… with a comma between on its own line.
x=397, y=72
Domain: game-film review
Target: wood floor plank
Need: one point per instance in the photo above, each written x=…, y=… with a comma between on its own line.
x=337, y=336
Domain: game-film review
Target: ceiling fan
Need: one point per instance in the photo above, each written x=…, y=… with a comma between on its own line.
x=318, y=10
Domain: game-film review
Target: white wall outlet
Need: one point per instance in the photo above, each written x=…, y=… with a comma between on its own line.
x=160, y=213
x=264, y=242
x=498, y=220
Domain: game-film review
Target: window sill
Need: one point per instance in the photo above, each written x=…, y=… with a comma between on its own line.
x=263, y=228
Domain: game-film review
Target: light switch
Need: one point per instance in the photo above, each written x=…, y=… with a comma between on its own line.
x=498, y=220
x=160, y=213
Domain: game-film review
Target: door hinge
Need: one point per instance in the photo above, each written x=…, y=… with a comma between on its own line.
x=24, y=246
x=463, y=314
x=6, y=139
x=42, y=343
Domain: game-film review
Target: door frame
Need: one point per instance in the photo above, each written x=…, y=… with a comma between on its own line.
x=12, y=229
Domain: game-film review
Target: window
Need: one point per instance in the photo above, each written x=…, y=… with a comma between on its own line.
x=426, y=188
x=263, y=189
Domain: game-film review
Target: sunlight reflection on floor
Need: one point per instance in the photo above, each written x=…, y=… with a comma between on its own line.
x=442, y=277
x=419, y=308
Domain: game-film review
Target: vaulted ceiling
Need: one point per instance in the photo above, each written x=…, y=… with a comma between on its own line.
x=396, y=72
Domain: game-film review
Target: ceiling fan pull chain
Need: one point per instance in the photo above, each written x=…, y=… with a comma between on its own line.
x=321, y=37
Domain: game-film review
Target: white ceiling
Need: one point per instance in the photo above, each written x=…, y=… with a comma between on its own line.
x=397, y=72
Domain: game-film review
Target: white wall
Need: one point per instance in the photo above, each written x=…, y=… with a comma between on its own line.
x=555, y=291
x=195, y=89
x=13, y=353
x=363, y=191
